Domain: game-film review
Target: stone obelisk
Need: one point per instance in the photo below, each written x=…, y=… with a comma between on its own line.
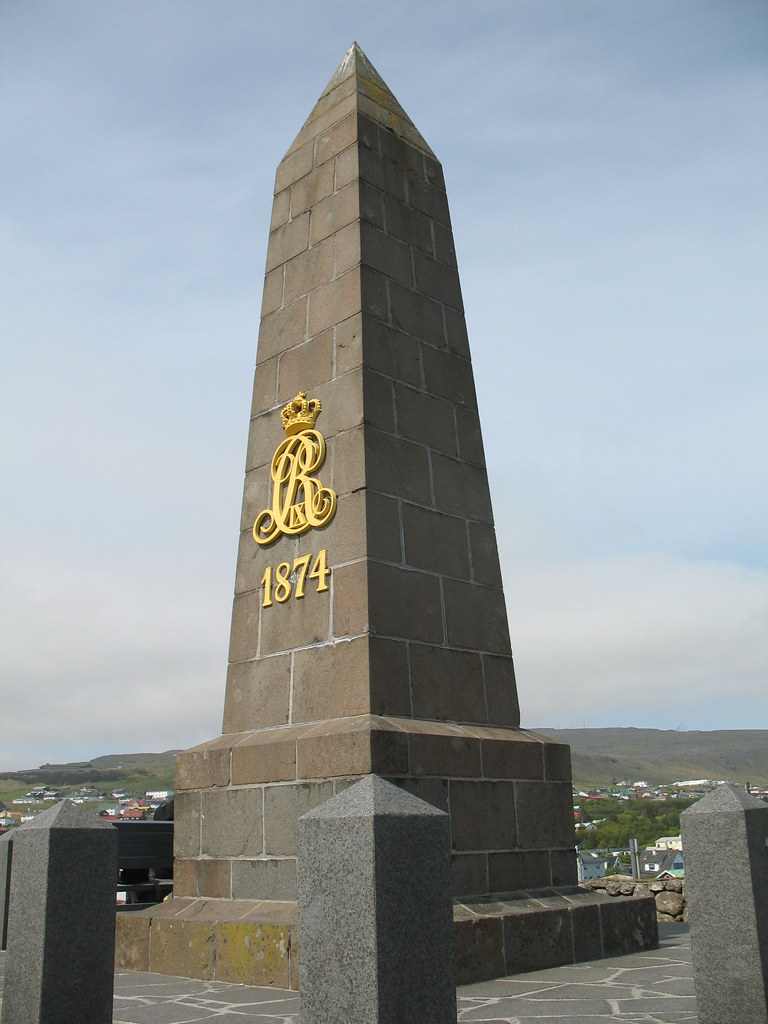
x=369, y=630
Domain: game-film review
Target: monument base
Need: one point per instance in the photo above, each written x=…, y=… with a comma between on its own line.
x=255, y=942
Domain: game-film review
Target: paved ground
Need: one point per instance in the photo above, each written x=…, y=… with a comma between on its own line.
x=655, y=987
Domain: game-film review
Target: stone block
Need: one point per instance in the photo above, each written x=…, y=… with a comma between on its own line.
x=501, y=691
x=444, y=249
x=352, y=747
x=447, y=684
x=469, y=874
x=336, y=300
x=335, y=139
x=449, y=377
x=132, y=941
x=283, y=806
x=374, y=878
x=348, y=339
x=293, y=167
x=296, y=623
x=484, y=555
x=231, y=822
x=391, y=352
x=725, y=840
x=350, y=600
x=61, y=920
x=456, y=337
x=461, y=489
x=518, y=869
x=564, y=870
x=427, y=199
x=408, y=226
x=207, y=764
x=253, y=954
x=438, y=280
x=374, y=293
x=382, y=174
x=536, y=939
x=264, y=386
x=379, y=401
x=512, y=755
x=273, y=879
x=281, y=330
x=404, y=603
x=541, y=813
x=348, y=460
x=311, y=189
x=246, y=616
x=585, y=917
x=182, y=948
x=389, y=679
x=479, y=949
x=186, y=828
x=331, y=681
x=425, y=419
x=310, y=269
x=476, y=617
x=417, y=315
x=443, y=749
x=398, y=467
x=386, y=254
x=274, y=291
x=469, y=435
x=266, y=757
x=483, y=815
x=257, y=694
x=435, y=542
x=628, y=924
x=346, y=166
x=213, y=878
x=334, y=213
x=347, y=248
x=288, y=241
x=281, y=209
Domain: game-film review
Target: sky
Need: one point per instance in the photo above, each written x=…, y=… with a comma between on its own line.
x=606, y=173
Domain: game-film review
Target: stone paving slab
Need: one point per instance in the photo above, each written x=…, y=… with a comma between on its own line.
x=653, y=987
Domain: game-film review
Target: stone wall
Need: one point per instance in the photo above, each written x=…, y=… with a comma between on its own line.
x=669, y=894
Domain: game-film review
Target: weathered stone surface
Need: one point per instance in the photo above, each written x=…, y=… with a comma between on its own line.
x=6, y=857
x=61, y=923
x=725, y=837
x=374, y=879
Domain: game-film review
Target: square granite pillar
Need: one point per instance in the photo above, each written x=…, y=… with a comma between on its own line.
x=725, y=842
x=61, y=924
x=375, y=910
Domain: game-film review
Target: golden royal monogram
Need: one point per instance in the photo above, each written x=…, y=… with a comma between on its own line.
x=299, y=500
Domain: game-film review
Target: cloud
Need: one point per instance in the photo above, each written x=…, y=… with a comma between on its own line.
x=110, y=656
x=649, y=642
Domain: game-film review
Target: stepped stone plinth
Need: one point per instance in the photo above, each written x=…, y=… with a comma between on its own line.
x=369, y=631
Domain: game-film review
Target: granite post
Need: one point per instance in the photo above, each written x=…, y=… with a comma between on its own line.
x=6, y=857
x=725, y=843
x=61, y=925
x=375, y=909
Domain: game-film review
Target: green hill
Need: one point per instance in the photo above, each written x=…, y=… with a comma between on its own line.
x=601, y=757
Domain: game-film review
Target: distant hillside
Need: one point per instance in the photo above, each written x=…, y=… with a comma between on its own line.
x=605, y=756
x=113, y=760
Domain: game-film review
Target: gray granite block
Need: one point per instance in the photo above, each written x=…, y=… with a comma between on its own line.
x=725, y=841
x=375, y=917
x=61, y=923
x=6, y=856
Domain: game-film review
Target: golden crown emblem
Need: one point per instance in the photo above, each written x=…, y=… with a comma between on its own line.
x=300, y=414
